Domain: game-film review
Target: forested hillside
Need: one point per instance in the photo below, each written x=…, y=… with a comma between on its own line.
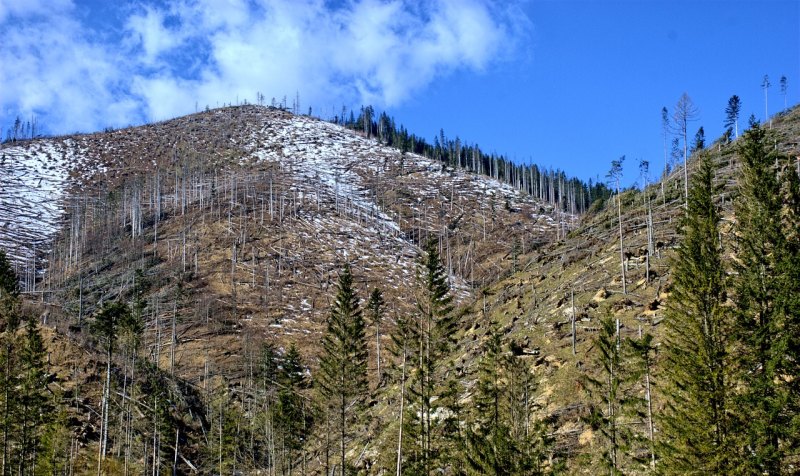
x=247, y=290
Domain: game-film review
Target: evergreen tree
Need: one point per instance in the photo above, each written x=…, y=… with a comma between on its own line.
x=490, y=448
x=767, y=298
x=432, y=330
x=501, y=438
x=9, y=282
x=375, y=306
x=732, y=114
x=292, y=416
x=343, y=365
x=106, y=327
x=606, y=391
x=9, y=322
x=699, y=140
x=33, y=406
x=784, y=89
x=696, y=425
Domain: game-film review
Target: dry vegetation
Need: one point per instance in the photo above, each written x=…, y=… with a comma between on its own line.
x=242, y=217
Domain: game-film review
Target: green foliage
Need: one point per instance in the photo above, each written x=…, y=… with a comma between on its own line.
x=107, y=323
x=732, y=113
x=33, y=404
x=293, y=417
x=767, y=308
x=696, y=369
x=9, y=283
x=342, y=377
x=606, y=394
x=54, y=457
x=431, y=333
x=375, y=306
x=501, y=436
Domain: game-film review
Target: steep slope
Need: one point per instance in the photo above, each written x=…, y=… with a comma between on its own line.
x=241, y=218
x=580, y=276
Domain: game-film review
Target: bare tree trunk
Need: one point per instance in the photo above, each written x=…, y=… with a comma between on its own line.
x=402, y=402
x=621, y=249
x=574, y=329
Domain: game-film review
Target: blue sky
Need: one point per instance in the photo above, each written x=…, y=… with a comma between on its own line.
x=567, y=84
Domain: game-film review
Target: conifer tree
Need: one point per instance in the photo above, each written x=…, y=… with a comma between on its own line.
x=9, y=322
x=343, y=366
x=490, y=448
x=375, y=306
x=732, y=114
x=699, y=140
x=607, y=392
x=767, y=297
x=33, y=407
x=291, y=414
x=9, y=282
x=695, y=427
x=432, y=330
x=106, y=327
x=501, y=437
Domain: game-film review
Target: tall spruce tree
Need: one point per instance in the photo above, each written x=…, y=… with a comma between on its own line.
x=375, y=306
x=106, y=326
x=292, y=417
x=732, y=114
x=432, y=331
x=34, y=410
x=9, y=282
x=490, y=448
x=9, y=322
x=501, y=437
x=343, y=365
x=696, y=370
x=606, y=392
x=767, y=295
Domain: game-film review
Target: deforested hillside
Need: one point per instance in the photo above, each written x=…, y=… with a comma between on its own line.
x=226, y=231
x=251, y=212
x=244, y=289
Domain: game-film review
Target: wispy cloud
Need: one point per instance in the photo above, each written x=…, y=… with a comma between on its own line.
x=160, y=60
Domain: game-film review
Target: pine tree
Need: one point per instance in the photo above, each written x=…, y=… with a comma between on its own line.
x=292, y=417
x=490, y=448
x=106, y=327
x=343, y=366
x=699, y=140
x=432, y=330
x=696, y=427
x=501, y=438
x=9, y=282
x=375, y=306
x=9, y=322
x=732, y=114
x=767, y=298
x=34, y=406
x=606, y=391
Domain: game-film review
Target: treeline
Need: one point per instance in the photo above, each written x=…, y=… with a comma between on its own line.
x=727, y=371
x=552, y=186
x=22, y=130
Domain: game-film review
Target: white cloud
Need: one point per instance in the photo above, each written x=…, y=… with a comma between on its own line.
x=209, y=52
